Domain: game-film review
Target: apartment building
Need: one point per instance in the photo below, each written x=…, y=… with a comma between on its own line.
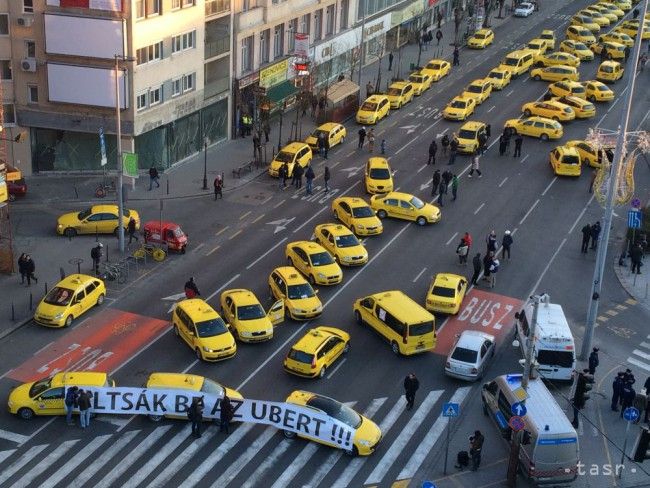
x=59, y=62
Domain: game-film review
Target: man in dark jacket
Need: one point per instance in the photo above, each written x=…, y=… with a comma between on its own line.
x=617, y=388
x=519, y=140
x=433, y=149
x=191, y=290
x=195, y=414
x=71, y=398
x=84, y=402
x=153, y=177
x=478, y=267
x=506, y=242
x=446, y=179
x=435, y=182
x=487, y=264
x=309, y=178
x=636, y=255
x=593, y=361
x=30, y=267
x=225, y=414
x=298, y=171
x=285, y=174
x=475, y=448
x=362, y=137
x=218, y=186
x=628, y=394
x=130, y=227
x=586, y=235
x=21, y=267
x=445, y=144
x=595, y=234
x=96, y=256
x=411, y=385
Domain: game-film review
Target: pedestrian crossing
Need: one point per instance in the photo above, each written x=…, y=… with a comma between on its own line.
x=166, y=454
x=641, y=356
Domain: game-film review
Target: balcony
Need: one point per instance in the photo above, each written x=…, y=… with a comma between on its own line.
x=216, y=47
x=216, y=7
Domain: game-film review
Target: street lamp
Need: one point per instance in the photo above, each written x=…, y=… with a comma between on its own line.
x=205, y=163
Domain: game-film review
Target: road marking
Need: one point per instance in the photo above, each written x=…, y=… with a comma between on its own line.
x=162, y=453
x=490, y=109
x=258, y=218
x=235, y=467
x=213, y=250
x=13, y=437
x=642, y=354
x=548, y=265
x=266, y=253
x=336, y=164
x=601, y=119
x=49, y=460
x=245, y=215
x=5, y=454
x=235, y=234
x=336, y=369
x=640, y=364
x=525, y=80
x=350, y=153
x=549, y=185
x=71, y=466
x=479, y=208
x=422, y=167
x=451, y=239
x=524, y=158
x=503, y=181
x=222, y=230
x=529, y=211
x=43, y=348
x=431, y=437
x=192, y=364
x=296, y=465
x=406, y=145
x=612, y=105
x=42, y=427
x=196, y=249
x=510, y=93
x=255, y=478
x=309, y=219
x=584, y=209
x=17, y=465
x=222, y=287
x=431, y=127
x=419, y=274
x=279, y=203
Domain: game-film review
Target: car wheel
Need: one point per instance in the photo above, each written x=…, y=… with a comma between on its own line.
x=156, y=418
x=346, y=348
x=395, y=348
x=538, y=78
x=100, y=299
x=336, y=215
x=68, y=320
x=69, y=232
x=399, y=106
x=287, y=313
x=176, y=333
x=357, y=317
x=544, y=137
x=290, y=261
x=342, y=140
x=353, y=452
x=592, y=99
x=421, y=221
x=323, y=372
x=556, y=119
x=198, y=354
x=527, y=113
x=26, y=413
x=289, y=434
x=382, y=214
x=12, y=197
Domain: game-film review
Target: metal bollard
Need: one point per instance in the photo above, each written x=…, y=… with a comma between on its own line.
x=13, y=312
x=76, y=193
x=46, y=287
x=31, y=301
x=167, y=185
x=79, y=268
x=62, y=272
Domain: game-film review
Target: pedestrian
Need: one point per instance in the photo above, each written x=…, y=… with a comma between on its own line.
x=617, y=389
x=326, y=147
x=446, y=179
x=487, y=265
x=438, y=36
x=439, y=19
x=507, y=135
x=641, y=63
x=383, y=146
x=130, y=227
x=84, y=403
x=593, y=360
x=321, y=144
x=195, y=415
x=626, y=53
x=369, y=90
x=218, y=186
x=640, y=403
x=595, y=234
x=488, y=131
x=390, y=61
x=371, y=140
x=586, y=235
x=257, y=156
x=453, y=150
x=153, y=177
x=636, y=256
x=242, y=127
x=433, y=149
x=71, y=397
x=478, y=267
x=298, y=171
x=519, y=139
x=445, y=144
x=314, y=105
x=506, y=243
x=435, y=182
x=30, y=267
x=441, y=191
x=285, y=174
x=454, y=187
x=462, y=250
x=456, y=61
x=191, y=290
x=267, y=130
x=592, y=180
x=482, y=142
x=468, y=239
x=646, y=388
x=411, y=385
x=494, y=269
x=309, y=179
x=475, y=448
x=491, y=241
x=635, y=13
x=326, y=178
x=226, y=413
x=628, y=377
x=475, y=166
x=627, y=396
x=21, y=267
x=362, y=137
x=580, y=380
x=96, y=255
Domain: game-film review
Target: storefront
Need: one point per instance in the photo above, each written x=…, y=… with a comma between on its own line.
x=405, y=25
x=274, y=80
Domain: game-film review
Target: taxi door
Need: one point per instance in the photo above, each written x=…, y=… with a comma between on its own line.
x=333, y=348
x=346, y=215
x=229, y=312
x=406, y=210
x=50, y=402
x=79, y=303
x=408, y=93
x=185, y=327
x=91, y=225
x=276, y=312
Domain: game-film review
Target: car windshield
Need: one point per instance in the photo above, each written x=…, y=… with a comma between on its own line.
x=318, y=132
x=420, y=329
x=416, y=202
x=178, y=232
x=464, y=355
x=546, y=36
x=480, y=36
x=284, y=157
x=250, y=312
x=578, y=89
x=568, y=159
x=380, y=174
x=602, y=88
x=443, y=291
x=346, y=241
x=496, y=74
x=434, y=66
x=59, y=296
x=458, y=104
x=321, y=258
x=84, y=213
x=416, y=79
x=211, y=328
x=394, y=91
x=563, y=359
x=361, y=212
x=39, y=387
x=580, y=46
x=212, y=388
x=475, y=88
x=587, y=106
x=467, y=134
x=369, y=106
x=511, y=61
x=301, y=356
x=336, y=410
x=303, y=290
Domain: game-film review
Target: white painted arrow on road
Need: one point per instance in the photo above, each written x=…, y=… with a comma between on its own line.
x=352, y=171
x=424, y=185
x=280, y=224
x=410, y=128
x=173, y=298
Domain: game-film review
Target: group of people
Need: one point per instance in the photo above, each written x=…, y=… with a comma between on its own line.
x=590, y=233
x=297, y=175
x=504, y=143
x=26, y=268
x=195, y=415
x=441, y=182
x=76, y=398
x=370, y=135
x=624, y=395
x=489, y=264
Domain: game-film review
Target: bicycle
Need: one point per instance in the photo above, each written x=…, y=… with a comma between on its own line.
x=157, y=253
x=114, y=272
x=104, y=189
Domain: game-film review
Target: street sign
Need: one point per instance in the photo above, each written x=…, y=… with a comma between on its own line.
x=634, y=218
x=516, y=423
x=518, y=409
x=636, y=203
x=631, y=414
x=450, y=410
x=130, y=164
x=428, y=484
x=520, y=394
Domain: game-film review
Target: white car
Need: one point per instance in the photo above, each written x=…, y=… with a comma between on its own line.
x=470, y=355
x=524, y=9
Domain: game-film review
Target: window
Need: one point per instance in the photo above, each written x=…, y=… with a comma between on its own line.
x=247, y=54
x=147, y=8
x=8, y=114
x=176, y=4
x=177, y=87
x=4, y=24
x=32, y=93
x=293, y=28
x=181, y=42
x=141, y=101
x=5, y=69
x=345, y=6
x=150, y=53
x=30, y=49
x=278, y=41
x=318, y=24
x=155, y=96
x=154, y=7
x=189, y=3
x=189, y=82
x=139, y=9
x=329, y=20
x=265, y=35
x=304, y=24
x=28, y=6
x=176, y=43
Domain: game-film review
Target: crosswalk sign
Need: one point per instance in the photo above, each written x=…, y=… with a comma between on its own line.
x=451, y=409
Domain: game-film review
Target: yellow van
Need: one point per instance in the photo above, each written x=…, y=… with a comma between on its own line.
x=518, y=62
x=405, y=324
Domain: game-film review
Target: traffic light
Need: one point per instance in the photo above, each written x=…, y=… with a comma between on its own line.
x=641, y=452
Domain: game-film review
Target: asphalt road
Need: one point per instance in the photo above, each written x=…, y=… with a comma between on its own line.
x=238, y=241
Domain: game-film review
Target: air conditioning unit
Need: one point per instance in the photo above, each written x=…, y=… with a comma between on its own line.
x=25, y=21
x=28, y=64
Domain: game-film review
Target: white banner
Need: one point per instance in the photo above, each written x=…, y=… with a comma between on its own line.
x=113, y=5
x=285, y=416
x=301, y=45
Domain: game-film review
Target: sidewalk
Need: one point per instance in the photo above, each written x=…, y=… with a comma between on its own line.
x=636, y=285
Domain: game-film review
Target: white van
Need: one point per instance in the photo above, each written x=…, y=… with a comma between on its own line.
x=554, y=347
x=549, y=449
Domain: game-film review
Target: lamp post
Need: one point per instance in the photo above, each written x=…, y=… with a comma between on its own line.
x=120, y=169
x=205, y=162
x=363, y=31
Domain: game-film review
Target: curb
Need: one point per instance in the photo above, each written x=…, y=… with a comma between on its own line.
x=14, y=327
x=619, y=272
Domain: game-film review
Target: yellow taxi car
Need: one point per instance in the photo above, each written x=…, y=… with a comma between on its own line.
x=399, y=94
x=578, y=49
x=585, y=21
x=378, y=177
x=500, y=78
x=481, y=39
x=480, y=90
x=611, y=8
x=366, y=433
x=557, y=59
x=588, y=152
x=565, y=161
x=421, y=82
x=446, y=293
x=567, y=88
x=617, y=37
x=624, y=5
x=604, y=11
x=613, y=50
x=333, y=132
x=203, y=330
x=357, y=215
x=610, y=71
x=375, y=108
x=70, y=298
x=540, y=127
x=292, y=154
x=437, y=69
x=550, y=110
x=582, y=108
x=316, y=351
x=468, y=136
x=597, y=91
x=597, y=17
x=538, y=46
x=405, y=206
x=459, y=108
x=98, y=219
x=47, y=396
x=300, y=300
x=555, y=73
x=186, y=381
x=246, y=316
x=549, y=36
x=580, y=34
x=313, y=261
x=341, y=243
x=631, y=29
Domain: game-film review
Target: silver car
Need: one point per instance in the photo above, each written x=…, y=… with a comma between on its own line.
x=524, y=9
x=470, y=355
